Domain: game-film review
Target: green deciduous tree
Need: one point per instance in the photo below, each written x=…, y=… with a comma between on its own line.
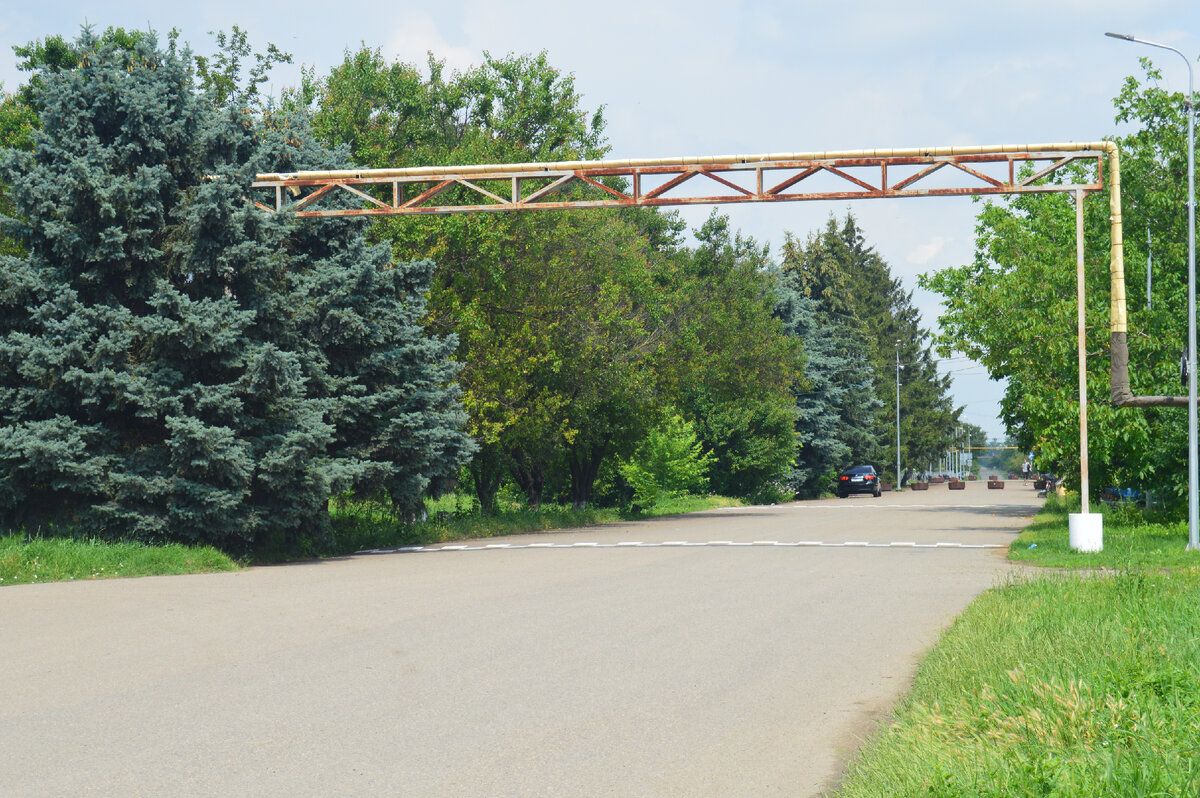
x=575, y=329
x=731, y=362
x=17, y=124
x=1013, y=309
x=550, y=310
x=509, y=108
x=557, y=348
x=220, y=74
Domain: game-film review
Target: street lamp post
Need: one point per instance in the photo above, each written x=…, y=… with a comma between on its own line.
x=966, y=463
x=1193, y=480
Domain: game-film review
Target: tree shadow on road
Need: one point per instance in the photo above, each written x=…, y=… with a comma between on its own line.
x=1003, y=510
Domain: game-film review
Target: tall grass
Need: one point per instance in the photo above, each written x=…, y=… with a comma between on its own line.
x=359, y=525
x=1069, y=686
x=364, y=525
x=57, y=559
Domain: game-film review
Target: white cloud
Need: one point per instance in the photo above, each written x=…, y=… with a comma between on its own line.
x=927, y=251
x=417, y=36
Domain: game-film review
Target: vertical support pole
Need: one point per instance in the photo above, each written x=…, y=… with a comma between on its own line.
x=1079, y=292
x=897, y=415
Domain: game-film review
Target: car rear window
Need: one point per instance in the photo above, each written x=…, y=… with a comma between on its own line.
x=861, y=470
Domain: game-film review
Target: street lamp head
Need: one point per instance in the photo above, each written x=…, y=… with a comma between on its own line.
x=1124, y=36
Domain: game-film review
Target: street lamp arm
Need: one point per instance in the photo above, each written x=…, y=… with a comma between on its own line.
x=1129, y=38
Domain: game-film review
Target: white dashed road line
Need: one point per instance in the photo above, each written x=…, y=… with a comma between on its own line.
x=863, y=505
x=859, y=544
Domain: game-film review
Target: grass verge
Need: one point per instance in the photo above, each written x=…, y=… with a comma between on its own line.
x=63, y=559
x=1061, y=686
x=356, y=526
x=1129, y=540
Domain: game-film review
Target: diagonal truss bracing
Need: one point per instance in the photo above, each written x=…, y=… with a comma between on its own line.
x=786, y=177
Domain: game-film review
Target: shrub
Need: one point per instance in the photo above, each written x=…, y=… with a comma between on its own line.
x=669, y=462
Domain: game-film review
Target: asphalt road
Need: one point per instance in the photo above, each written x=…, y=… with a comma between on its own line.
x=639, y=663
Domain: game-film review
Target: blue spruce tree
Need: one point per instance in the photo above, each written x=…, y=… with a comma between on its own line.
x=836, y=405
x=176, y=364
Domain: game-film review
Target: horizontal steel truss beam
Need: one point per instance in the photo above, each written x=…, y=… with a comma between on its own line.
x=964, y=171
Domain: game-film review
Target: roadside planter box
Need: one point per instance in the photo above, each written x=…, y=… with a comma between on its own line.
x=937, y=480
x=918, y=485
x=995, y=484
x=993, y=478
x=885, y=486
x=972, y=477
x=958, y=484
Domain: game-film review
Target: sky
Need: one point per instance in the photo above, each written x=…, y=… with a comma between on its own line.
x=706, y=78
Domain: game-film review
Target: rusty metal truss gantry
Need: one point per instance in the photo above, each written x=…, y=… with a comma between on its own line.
x=779, y=177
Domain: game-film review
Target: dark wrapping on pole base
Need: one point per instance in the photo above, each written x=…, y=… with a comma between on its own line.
x=1119, y=391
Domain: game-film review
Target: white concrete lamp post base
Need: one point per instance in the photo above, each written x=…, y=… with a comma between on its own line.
x=1086, y=531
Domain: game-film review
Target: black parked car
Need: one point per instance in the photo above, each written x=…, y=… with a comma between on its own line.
x=860, y=479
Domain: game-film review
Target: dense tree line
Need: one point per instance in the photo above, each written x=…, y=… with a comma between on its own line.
x=176, y=364
x=839, y=295
x=578, y=331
